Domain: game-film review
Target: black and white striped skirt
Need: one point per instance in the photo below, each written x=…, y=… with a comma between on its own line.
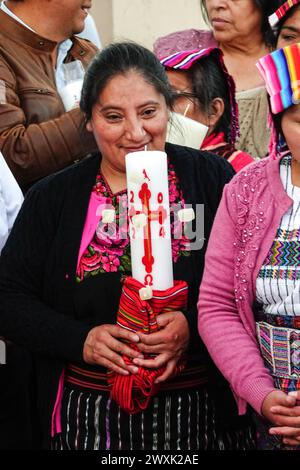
x=184, y=420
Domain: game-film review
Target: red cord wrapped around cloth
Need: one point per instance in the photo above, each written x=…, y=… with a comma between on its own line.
x=133, y=392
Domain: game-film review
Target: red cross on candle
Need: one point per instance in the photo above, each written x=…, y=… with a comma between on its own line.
x=159, y=215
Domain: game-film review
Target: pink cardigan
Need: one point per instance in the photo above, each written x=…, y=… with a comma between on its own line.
x=244, y=229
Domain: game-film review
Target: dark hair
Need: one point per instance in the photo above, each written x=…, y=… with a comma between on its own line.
x=281, y=23
x=118, y=59
x=267, y=7
x=209, y=82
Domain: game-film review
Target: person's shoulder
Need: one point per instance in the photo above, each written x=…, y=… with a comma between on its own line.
x=63, y=178
x=201, y=159
x=255, y=170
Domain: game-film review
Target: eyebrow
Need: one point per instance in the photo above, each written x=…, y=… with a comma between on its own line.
x=291, y=28
x=119, y=108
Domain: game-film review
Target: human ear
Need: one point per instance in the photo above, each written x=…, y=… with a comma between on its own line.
x=89, y=126
x=216, y=111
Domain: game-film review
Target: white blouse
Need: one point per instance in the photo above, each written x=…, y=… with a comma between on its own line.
x=11, y=199
x=278, y=282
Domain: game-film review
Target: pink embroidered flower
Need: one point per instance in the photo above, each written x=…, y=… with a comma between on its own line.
x=89, y=263
x=175, y=250
x=108, y=235
x=109, y=251
x=110, y=263
x=173, y=193
x=100, y=188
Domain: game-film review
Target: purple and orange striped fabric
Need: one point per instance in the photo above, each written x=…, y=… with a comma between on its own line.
x=133, y=392
x=282, y=11
x=281, y=72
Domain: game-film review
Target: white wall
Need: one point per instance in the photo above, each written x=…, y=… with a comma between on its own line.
x=144, y=20
x=102, y=14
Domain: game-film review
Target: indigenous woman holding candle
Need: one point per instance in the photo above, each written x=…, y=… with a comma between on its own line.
x=60, y=292
x=249, y=306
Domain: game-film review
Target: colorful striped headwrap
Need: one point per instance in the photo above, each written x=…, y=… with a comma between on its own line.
x=133, y=392
x=282, y=11
x=281, y=72
x=184, y=60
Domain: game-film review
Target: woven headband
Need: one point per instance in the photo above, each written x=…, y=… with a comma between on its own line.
x=281, y=72
x=282, y=11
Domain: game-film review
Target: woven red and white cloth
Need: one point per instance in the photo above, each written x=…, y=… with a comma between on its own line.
x=134, y=391
x=282, y=11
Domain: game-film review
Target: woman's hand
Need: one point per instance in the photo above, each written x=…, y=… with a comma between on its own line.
x=169, y=343
x=282, y=410
x=104, y=346
x=289, y=428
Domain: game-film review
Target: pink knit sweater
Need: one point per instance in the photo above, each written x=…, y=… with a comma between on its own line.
x=244, y=229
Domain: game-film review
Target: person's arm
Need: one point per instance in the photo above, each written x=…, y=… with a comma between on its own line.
x=11, y=199
x=24, y=317
x=38, y=149
x=11, y=193
x=234, y=349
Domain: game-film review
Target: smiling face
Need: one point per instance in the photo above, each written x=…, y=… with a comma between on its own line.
x=290, y=31
x=231, y=19
x=129, y=115
x=70, y=15
x=56, y=20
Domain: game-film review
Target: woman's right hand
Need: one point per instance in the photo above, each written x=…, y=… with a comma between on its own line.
x=104, y=346
x=284, y=411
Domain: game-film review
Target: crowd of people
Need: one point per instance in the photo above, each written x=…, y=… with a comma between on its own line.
x=227, y=364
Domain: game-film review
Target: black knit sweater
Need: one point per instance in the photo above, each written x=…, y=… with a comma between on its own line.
x=38, y=292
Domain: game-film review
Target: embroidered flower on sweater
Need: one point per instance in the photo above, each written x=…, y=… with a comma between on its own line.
x=109, y=250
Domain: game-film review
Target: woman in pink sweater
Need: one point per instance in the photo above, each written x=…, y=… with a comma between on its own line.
x=249, y=304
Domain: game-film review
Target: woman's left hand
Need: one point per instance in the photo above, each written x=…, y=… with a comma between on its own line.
x=290, y=417
x=168, y=343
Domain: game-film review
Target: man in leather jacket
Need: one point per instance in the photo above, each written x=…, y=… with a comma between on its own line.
x=37, y=38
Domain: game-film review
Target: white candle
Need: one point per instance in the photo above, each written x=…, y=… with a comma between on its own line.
x=149, y=218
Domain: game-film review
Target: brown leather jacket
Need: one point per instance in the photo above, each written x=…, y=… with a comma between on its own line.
x=37, y=136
